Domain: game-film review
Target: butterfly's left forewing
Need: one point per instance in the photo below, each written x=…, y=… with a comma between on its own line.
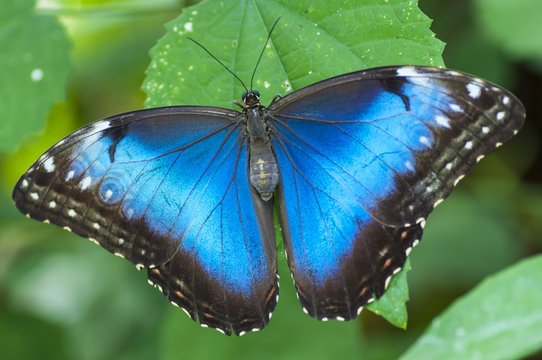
x=364, y=158
x=167, y=188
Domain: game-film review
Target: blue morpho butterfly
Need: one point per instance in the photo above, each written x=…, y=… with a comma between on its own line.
x=356, y=163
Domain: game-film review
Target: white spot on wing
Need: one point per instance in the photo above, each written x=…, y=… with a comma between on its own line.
x=34, y=196
x=52, y=204
x=474, y=89
x=70, y=175
x=442, y=121
x=86, y=182
x=71, y=213
x=101, y=125
x=468, y=145
x=505, y=100
x=455, y=108
x=49, y=165
x=425, y=140
x=24, y=184
x=500, y=115
x=485, y=130
x=360, y=309
x=459, y=178
x=407, y=71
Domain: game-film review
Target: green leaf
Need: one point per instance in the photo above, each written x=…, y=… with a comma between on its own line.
x=312, y=42
x=34, y=63
x=500, y=319
x=512, y=24
x=391, y=305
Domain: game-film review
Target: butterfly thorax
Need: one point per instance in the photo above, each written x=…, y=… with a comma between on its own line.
x=263, y=169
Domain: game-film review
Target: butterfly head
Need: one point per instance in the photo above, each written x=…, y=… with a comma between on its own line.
x=251, y=98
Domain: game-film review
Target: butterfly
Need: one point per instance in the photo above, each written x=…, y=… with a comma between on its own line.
x=356, y=163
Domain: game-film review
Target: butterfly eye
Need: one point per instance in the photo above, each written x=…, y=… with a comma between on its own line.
x=257, y=93
x=244, y=96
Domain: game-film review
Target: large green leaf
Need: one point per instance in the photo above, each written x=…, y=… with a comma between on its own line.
x=312, y=41
x=500, y=319
x=34, y=63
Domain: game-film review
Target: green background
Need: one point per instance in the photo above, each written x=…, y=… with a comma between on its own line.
x=476, y=282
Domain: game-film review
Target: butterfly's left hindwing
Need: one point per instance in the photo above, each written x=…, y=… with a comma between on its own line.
x=364, y=158
x=167, y=189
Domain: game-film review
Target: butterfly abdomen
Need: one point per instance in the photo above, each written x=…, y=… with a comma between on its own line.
x=263, y=168
x=263, y=171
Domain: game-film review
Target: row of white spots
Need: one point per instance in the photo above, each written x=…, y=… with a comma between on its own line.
x=180, y=284
x=409, y=249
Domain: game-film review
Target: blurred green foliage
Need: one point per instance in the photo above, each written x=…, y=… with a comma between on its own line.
x=64, y=298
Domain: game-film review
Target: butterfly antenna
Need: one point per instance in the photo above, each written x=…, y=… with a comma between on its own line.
x=220, y=62
x=261, y=54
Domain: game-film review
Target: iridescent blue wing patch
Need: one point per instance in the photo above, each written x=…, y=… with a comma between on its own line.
x=167, y=189
x=364, y=158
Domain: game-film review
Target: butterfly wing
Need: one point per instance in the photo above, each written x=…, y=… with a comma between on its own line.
x=364, y=158
x=167, y=189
